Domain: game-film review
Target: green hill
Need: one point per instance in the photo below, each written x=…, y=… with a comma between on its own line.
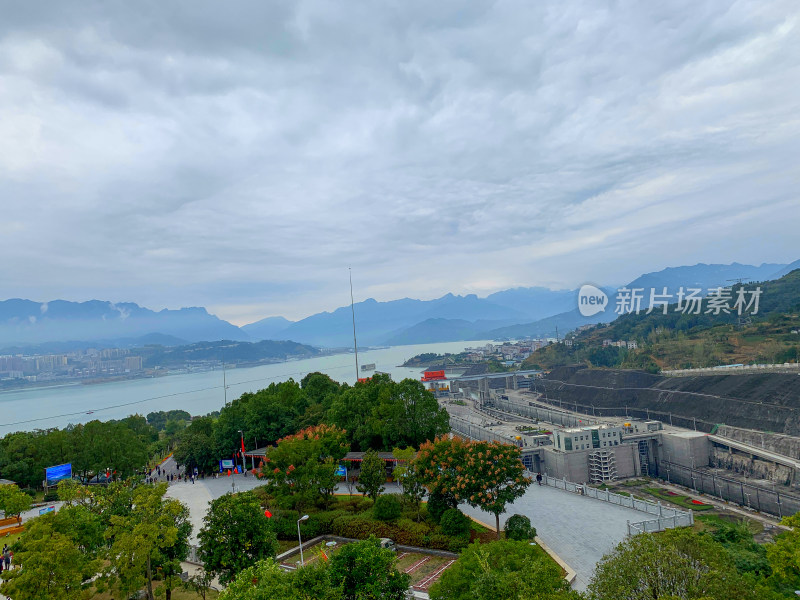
x=681, y=341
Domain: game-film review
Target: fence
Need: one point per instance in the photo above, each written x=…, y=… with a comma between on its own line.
x=771, y=501
x=665, y=517
x=735, y=370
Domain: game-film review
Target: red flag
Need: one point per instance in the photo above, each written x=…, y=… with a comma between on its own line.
x=229, y=472
x=268, y=514
x=243, y=450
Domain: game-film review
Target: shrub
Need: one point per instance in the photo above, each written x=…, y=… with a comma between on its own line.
x=285, y=524
x=387, y=507
x=51, y=497
x=410, y=533
x=439, y=541
x=455, y=523
x=518, y=527
x=437, y=504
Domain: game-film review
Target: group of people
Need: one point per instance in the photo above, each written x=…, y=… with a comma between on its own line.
x=6, y=558
x=158, y=474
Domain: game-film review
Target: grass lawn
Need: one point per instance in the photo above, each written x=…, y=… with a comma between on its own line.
x=10, y=539
x=311, y=554
x=634, y=482
x=712, y=523
x=424, y=569
x=682, y=501
x=284, y=545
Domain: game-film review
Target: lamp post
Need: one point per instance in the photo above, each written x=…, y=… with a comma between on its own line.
x=300, y=539
x=242, y=437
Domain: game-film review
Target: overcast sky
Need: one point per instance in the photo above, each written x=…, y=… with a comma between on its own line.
x=240, y=156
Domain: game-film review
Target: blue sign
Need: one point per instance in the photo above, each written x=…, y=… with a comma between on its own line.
x=225, y=464
x=46, y=510
x=341, y=471
x=57, y=473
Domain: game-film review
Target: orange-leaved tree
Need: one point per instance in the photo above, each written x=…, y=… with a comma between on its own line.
x=486, y=475
x=302, y=467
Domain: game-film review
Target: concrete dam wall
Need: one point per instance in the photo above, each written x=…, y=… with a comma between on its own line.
x=766, y=401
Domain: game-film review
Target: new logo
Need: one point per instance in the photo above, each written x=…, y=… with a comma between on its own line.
x=591, y=300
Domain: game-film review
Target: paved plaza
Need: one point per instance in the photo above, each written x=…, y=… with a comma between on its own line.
x=579, y=529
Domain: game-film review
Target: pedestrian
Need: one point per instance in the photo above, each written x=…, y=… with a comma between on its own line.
x=539, y=478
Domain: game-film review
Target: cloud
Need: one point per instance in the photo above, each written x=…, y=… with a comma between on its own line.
x=243, y=157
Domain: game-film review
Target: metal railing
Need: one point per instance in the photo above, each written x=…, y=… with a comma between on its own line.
x=769, y=500
x=735, y=370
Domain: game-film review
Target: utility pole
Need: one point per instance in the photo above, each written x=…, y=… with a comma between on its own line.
x=224, y=379
x=353, y=310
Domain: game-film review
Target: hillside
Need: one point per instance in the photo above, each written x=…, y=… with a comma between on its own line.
x=231, y=352
x=701, y=275
x=679, y=341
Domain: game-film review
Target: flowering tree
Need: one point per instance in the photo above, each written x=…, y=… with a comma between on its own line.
x=486, y=475
x=302, y=466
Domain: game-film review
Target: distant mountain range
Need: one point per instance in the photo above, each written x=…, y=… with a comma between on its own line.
x=25, y=323
x=517, y=312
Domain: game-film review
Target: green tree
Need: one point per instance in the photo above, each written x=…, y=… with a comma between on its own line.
x=72, y=492
x=84, y=527
x=504, y=570
x=784, y=554
x=357, y=410
x=414, y=417
x=673, y=564
x=303, y=466
x=266, y=580
x=13, y=501
x=372, y=475
x=406, y=474
x=143, y=539
x=50, y=565
x=365, y=571
x=381, y=414
x=235, y=535
x=196, y=447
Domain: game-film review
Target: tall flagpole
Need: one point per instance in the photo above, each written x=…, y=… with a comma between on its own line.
x=353, y=310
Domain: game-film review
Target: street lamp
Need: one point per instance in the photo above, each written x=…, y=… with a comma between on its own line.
x=300, y=539
x=242, y=437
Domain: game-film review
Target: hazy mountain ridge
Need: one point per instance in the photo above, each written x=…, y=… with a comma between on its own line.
x=516, y=312
x=25, y=322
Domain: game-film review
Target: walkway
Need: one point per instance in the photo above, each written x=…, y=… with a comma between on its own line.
x=580, y=530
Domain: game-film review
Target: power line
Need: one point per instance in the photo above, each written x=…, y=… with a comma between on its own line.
x=174, y=394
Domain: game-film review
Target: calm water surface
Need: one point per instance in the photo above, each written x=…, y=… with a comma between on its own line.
x=197, y=393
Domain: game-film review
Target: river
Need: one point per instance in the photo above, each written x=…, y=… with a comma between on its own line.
x=197, y=393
